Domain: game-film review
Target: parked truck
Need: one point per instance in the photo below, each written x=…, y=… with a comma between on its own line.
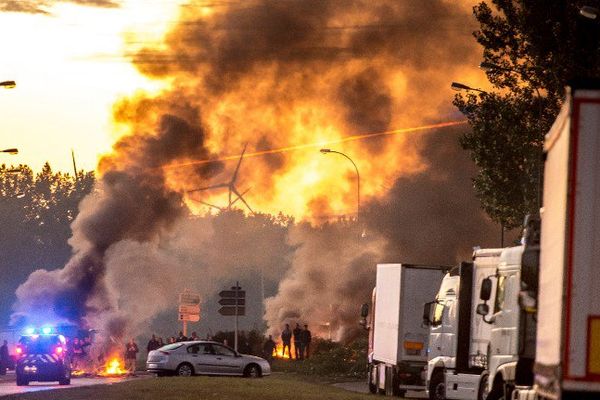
x=397, y=338
x=565, y=301
x=459, y=339
x=510, y=326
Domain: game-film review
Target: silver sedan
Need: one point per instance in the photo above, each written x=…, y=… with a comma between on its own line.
x=204, y=358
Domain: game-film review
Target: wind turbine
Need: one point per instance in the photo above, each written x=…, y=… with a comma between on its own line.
x=230, y=186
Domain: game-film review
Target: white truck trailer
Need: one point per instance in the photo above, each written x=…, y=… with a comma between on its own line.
x=567, y=356
x=398, y=339
x=459, y=338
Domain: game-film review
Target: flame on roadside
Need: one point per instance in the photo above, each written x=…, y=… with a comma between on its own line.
x=78, y=372
x=279, y=351
x=114, y=367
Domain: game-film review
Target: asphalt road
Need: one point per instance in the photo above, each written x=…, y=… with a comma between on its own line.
x=9, y=386
x=361, y=387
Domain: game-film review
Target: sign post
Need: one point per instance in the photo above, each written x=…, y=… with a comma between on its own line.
x=189, y=308
x=234, y=304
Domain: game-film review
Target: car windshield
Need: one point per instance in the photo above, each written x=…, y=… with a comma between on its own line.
x=40, y=343
x=171, y=346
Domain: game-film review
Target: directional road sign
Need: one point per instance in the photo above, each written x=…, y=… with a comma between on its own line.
x=189, y=309
x=232, y=294
x=189, y=298
x=232, y=302
x=189, y=317
x=230, y=311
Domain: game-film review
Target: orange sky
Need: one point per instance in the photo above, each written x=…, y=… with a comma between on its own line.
x=69, y=72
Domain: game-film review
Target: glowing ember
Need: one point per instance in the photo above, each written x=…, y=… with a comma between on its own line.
x=114, y=367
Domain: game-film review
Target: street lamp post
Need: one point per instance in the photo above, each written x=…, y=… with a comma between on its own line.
x=460, y=86
x=8, y=84
x=10, y=151
x=325, y=151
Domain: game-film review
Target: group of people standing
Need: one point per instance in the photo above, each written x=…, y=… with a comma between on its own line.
x=300, y=337
x=157, y=342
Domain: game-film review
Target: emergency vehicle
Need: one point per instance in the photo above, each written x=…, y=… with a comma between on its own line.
x=43, y=357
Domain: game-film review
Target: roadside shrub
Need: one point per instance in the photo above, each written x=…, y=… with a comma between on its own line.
x=330, y=359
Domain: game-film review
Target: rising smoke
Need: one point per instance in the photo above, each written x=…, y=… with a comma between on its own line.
x=275, y=74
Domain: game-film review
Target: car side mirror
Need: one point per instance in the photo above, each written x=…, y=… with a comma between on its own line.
x=486, y=290
x=483, y=309
x=427, y=309
x=364, y=311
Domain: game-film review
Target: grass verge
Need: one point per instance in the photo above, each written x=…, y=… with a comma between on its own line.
x=200, y=388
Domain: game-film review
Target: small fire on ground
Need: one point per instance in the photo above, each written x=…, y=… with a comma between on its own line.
x=288, y=351
x=114, y=367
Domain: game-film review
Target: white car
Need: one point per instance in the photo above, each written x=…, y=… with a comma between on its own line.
x=203, y=357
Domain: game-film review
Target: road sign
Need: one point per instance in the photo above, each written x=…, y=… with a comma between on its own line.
x=230, y=311
x=189, y=317
x=232, y=294
x=189, y=309
x=189, y=298
x=231, y=302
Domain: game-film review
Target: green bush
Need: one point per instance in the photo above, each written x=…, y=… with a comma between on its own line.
x=330, y=359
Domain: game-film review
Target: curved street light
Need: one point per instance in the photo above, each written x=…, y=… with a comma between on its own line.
x=589, y=12
x=12, y=151
x=326, y=151
x=8, y=84
x=460, y=86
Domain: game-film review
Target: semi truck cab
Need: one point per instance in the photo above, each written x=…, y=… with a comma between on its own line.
x=459, y=339
x=505, y=321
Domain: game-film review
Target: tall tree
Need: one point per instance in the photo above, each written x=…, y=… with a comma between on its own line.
x=537, y=47
x=36, y=211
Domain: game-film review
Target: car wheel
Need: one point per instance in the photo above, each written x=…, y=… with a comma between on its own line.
x=252, y=371
x=21, y=381
x=437, y=386
x=185, y=369
x=66, y=379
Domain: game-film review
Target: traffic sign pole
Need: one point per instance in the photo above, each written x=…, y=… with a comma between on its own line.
x=237, y=288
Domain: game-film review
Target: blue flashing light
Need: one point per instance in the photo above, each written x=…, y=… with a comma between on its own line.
x=46, y=330
x=29, y=331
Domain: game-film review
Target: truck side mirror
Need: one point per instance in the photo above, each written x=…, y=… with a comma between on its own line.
x=486, y=290
x=427, y=313
x=364, y=310
x=483, y=309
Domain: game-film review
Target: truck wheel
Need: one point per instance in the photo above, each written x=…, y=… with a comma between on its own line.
x=372, y=380
x=483, y=392
x=391, y=383
x=437, y=386
x=401, y=392
x=497, y=392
